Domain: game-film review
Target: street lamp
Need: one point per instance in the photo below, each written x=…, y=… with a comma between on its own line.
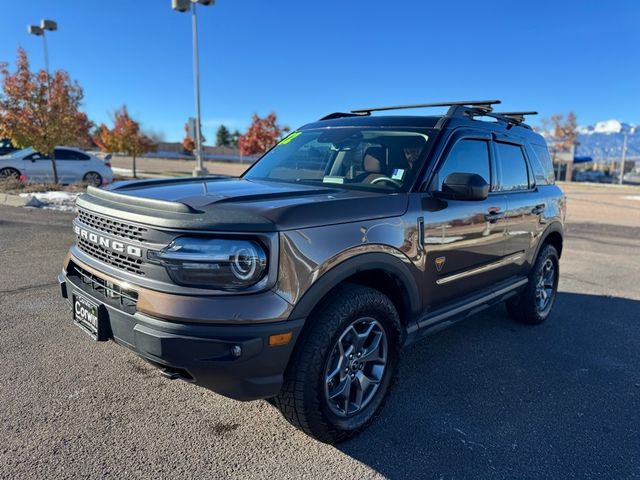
x=183, y=6
x=38, y=30
x=626, y=132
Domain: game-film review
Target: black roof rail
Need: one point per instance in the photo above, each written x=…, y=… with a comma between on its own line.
x=510, y=118
x=517, y=117
x=479, y=104
x=333, y=115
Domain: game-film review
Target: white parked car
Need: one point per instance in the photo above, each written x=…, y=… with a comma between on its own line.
x=632, y=176
x=74, y=166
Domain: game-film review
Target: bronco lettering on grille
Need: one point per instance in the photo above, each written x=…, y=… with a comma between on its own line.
x=108, y=243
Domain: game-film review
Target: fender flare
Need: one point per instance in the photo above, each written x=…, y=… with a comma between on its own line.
x=356, y=264
x=554, y=227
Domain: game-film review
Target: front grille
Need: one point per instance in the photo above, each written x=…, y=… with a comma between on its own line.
x=112, y=227
x=118, y=260
x=115, y=293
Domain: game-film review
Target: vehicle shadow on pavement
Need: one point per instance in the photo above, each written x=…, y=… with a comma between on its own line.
x=492, y=398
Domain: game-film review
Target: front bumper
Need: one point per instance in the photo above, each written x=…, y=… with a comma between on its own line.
x=234, y=360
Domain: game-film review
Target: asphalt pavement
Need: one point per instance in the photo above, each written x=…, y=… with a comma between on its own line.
x=487, y=398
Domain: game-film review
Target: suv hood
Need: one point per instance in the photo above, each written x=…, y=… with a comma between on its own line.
x=236, y=204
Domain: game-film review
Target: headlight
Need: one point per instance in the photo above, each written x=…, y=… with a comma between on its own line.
x=215, y=263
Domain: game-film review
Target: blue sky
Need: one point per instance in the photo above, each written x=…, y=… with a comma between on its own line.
x=305, y=59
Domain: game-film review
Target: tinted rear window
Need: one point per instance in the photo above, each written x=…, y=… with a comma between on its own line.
x=542, y=165
x=513, y=167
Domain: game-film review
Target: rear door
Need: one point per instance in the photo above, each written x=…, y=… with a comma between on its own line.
x=71, y=165
x=463, y=240
x=525, y=204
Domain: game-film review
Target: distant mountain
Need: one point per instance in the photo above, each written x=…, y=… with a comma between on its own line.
x=603, y=141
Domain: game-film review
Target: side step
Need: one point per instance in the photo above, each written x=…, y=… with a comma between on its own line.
x=444, y=317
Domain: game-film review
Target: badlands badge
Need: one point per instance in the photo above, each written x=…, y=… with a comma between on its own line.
x=440, y=263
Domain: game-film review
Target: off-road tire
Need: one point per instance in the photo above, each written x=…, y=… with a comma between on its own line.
x=302, y=400
x=524, y=307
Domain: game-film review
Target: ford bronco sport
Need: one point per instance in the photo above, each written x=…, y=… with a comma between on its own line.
x=301, y=280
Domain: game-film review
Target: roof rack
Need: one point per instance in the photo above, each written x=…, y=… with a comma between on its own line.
x=509, y=118
x=517, y=117
x=333, y=115
x=479, y=104
x=466, y=108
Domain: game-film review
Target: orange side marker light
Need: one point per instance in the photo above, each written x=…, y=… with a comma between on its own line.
x=280, y=339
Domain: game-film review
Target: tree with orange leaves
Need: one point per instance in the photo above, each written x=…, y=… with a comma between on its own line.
x=41, y=112
x=125, y=137
x=263, y=134
x=188, y=143
x=562, y=132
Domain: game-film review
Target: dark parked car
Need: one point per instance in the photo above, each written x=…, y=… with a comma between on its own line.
x=6, y=146
x=302, y=280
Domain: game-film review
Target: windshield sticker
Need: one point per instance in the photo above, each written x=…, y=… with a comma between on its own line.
x=398, y=174
x=329, y=179
x=289, y=137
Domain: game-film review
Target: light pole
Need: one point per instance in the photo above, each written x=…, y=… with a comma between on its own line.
x=183, y=6
x=38, y=30
x=625, y=140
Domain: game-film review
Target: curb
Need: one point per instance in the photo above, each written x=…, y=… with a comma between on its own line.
x=13, y=200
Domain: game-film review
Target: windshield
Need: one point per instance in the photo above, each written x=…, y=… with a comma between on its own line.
x=20, y=153
x=371, y=158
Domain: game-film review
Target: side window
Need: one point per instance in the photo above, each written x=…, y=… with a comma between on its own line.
x=513, y=166
x=36, y=156
x=81, y=156
x=62, y=154
x=547, y=175
x=466, y=156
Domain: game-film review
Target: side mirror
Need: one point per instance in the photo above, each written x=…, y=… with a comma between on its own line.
x=464, y=186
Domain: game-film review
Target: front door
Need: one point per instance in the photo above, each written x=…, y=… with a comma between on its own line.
x=38, y=168
x=463, y=240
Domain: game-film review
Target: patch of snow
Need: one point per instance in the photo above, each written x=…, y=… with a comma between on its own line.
x=608, y=126
x=632, y=197
x=123, y=171
x=55, y=200
x=34, y=202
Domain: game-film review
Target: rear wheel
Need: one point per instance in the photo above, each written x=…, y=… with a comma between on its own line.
x=341, y=373
x=9, y=173
x=534, y=304
x=92, y=178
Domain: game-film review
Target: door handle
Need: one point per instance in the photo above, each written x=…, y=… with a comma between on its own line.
x=494, y=215
x=538, y=209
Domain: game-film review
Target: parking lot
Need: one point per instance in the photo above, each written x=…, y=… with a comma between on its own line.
x=485, y=399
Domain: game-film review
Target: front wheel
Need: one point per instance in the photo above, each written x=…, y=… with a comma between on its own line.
x=534, y=304
x=9, y=172
x=341, y=373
